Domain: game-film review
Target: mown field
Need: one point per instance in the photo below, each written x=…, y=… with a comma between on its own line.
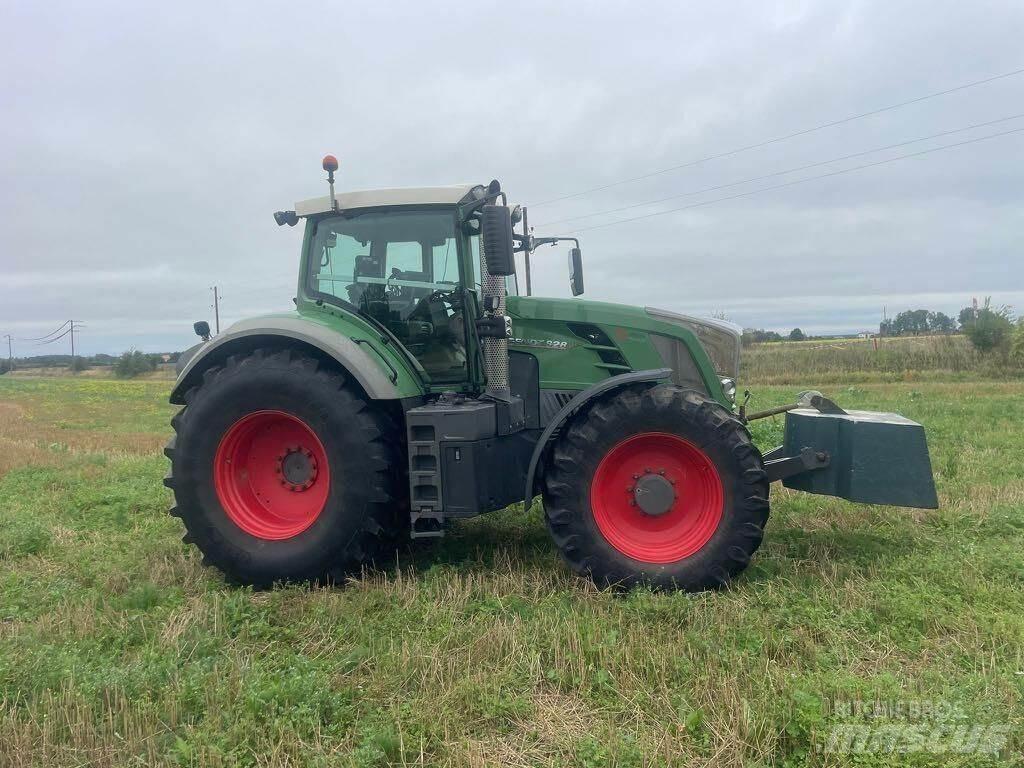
x=118, y=648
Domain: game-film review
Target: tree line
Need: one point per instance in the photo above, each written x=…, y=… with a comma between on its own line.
x=128, y=365
x=916, y=322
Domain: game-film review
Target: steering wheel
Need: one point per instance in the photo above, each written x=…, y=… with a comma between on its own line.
x=396, y=291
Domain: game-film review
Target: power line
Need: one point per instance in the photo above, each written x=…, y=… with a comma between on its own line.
x=40, y=338
x=72, y=326
x=54, y=339
x=777, y=139
x=783, y=172
x=799, y=181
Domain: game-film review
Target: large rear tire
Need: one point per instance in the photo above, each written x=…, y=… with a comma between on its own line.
x=658, y=486
x=282, y=471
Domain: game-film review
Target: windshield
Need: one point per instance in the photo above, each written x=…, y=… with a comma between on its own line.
x=400, y=268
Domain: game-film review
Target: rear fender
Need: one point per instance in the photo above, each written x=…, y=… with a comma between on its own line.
x=379, y=376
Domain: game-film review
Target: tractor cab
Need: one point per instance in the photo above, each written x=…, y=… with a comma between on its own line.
x=409, y=262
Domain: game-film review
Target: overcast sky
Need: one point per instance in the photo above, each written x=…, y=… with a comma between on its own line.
x=144, y=147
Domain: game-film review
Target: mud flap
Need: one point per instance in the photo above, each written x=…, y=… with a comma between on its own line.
x=873, y=458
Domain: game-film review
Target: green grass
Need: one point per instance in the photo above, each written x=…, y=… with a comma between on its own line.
x=118, y=648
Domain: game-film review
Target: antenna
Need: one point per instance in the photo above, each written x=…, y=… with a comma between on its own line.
x=330, y=164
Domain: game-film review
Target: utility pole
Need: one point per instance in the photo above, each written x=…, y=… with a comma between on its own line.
x=216, y=309
x=526, y=253
x=10, y=353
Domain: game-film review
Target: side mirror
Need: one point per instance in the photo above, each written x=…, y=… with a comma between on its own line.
x=496, y=226
x=202, y=329
x=576, y=271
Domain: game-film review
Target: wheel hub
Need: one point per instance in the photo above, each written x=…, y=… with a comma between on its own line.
x=297, y=468
x=654, y=494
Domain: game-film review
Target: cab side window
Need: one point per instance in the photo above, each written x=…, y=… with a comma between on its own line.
x=400, y=268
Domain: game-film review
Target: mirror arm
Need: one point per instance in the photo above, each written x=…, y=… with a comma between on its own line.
x=535, y=242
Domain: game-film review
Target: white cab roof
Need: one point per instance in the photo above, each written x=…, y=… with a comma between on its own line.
x=371, y=198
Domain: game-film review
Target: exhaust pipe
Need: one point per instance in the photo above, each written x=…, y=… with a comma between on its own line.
x=495, y=351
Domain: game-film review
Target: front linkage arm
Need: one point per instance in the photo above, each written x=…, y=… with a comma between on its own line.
x=780, y=467
x=776, y=463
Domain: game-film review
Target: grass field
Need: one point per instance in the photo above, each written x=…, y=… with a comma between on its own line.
x=118, y=648
x=907, y=358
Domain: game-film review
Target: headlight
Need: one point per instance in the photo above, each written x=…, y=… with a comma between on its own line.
x=729, y=386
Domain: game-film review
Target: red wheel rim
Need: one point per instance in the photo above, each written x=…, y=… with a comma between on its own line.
x=677, y=472
x=271, y=475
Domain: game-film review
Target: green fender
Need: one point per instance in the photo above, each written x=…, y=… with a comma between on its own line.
x=382, y=376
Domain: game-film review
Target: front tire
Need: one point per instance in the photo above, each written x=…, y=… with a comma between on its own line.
x=657, y=486
x=282, y=471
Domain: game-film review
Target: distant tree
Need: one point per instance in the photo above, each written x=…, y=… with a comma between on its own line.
x=966, y=317
x=78, y=364
x=758, y=336
x=5, y=366
x=885, y=328
x=990, y=330
x=132, y=363
x=939, y=322
x=910, y=323
x=1017, y=343
x=796, y=335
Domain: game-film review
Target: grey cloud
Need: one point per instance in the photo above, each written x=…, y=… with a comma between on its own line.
x=143, y=149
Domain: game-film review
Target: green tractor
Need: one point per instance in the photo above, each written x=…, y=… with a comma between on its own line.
x=413, y=385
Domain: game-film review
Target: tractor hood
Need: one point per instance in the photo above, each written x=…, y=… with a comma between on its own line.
x=720, y=339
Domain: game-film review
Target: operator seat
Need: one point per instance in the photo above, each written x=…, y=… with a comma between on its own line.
x=369, y=297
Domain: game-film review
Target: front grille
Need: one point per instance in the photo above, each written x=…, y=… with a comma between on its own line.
x=677, y=356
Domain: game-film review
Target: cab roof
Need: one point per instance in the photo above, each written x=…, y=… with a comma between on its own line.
x=372, y=198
